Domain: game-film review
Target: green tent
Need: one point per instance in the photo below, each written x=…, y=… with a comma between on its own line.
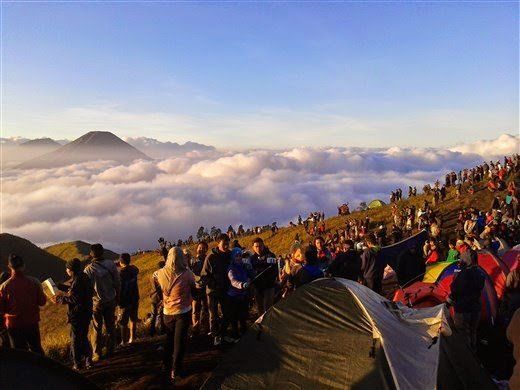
x=375, y=204
x=338, y=334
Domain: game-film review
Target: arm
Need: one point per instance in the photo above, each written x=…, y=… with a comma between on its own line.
x=71, y=298
x=234, y=281
x=42, y=299
x=116, y=282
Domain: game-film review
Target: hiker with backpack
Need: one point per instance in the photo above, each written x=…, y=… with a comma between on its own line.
x=128, y=300
x=20, y=299
x=104, y=277
x=176, y=282
x=78, y=297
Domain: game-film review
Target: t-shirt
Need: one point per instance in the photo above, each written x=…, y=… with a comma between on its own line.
x=453, y=255
x=129, y=287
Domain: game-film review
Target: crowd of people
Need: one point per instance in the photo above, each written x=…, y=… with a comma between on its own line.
x=216, y=291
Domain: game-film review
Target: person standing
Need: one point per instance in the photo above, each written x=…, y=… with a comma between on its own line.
x=347, y=263
x=79, y=301
x=20, y=299
x=157, y=301
x=104, y=277
x=176, y=282
x=214, y=276
x=371, y=270
x=264, y=265
x=238, y=295
x=466, y=290
x=200, y=303
x=129, y=299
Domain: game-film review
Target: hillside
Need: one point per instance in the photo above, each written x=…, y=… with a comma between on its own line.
x=55, y=330
x=79, y=249
x=39, y=263
x=41, y=142
x=93, y=146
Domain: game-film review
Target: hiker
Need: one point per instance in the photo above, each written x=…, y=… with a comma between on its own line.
x=347, y=263
x=79, y=300
x=157, y=301
x=324, y=255
x=239, y=279
x=214, y=277
x=128, y=300
x=466, y=290
x=20, y=299
x=107, y=286
x=200, y=303
x=266, y=269
x=371, y=270
x=176, y=282
x=310, y=269
x=290, y=268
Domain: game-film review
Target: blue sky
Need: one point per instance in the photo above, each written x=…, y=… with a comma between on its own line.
x=275, y=75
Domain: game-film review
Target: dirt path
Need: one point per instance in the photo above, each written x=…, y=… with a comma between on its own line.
x=140, y=366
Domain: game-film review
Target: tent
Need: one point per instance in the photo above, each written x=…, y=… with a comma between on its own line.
x=338, y=334
x=375, y=204
x=26, y=370
x=512, y=257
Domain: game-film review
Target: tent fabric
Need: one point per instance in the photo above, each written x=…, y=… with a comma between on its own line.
x=26, y=370
x=389, y=254
x=512, y=257
x=434, y=271
x=338, y=334
x=495, y=269
x=376, y=203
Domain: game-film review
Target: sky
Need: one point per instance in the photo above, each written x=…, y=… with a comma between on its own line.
x=263, y=75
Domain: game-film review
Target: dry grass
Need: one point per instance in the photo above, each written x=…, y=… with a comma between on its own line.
x=55, y=330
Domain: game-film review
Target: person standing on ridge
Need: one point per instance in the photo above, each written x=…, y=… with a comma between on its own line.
x=129, y=299
x=371, y=271
x=200, y=303
x=107, y=287
x=20, y=299
x=264, y=265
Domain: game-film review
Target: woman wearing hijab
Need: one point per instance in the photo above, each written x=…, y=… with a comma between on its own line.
x=176, y=282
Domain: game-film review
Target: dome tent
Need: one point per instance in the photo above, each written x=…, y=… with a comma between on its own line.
x=376, y=203
x=335, y=333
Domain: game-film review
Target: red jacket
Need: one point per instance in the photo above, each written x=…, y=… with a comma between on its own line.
x=20, y=300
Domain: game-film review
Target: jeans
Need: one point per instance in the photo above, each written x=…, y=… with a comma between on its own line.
x=104, y=313
x=264, y=299
x=238, y=311
x=26, y=339
x=214, y=300
x=80, y=347
x=176, y=327
x=467, y=324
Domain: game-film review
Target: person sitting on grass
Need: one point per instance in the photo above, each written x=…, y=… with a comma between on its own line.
x=79, y=301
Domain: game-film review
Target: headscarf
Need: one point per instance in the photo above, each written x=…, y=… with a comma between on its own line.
x=235, y=252
x=173, y=268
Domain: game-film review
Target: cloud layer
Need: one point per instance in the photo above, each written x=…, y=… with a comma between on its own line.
x=128, y=207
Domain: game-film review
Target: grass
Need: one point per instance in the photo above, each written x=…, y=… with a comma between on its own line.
x=55, y=330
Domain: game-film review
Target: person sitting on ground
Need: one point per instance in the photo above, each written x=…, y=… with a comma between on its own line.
x=129, y=300
x=265, y=267
x=156, y=316
x=20, y=299
x=176, y=282
x=200, y=303
x=347, y=263
x=466, y=290
x=104, y=276
x=453, y=253
x=310, y=269
x=79, y=301
x=238, y=294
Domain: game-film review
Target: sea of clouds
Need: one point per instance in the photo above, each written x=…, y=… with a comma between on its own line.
x=129, y=207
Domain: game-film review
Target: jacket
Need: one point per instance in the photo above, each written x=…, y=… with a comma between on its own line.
x=78, y=298
x=306, y=274
x=129, y=287
x=105, y=279
x=371, y=270
x=268, y=278
x=214, y=272
x=466, y=289
x=238, y=275
x=346, y=265
x=20, y=299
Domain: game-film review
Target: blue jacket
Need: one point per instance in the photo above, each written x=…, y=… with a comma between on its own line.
x=238, y=275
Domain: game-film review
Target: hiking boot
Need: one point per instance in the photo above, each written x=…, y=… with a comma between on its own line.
x=217, y=341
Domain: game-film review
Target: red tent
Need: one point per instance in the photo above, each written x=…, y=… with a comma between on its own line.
x=512, y=257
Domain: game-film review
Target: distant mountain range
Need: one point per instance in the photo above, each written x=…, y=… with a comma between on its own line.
x=158, y=149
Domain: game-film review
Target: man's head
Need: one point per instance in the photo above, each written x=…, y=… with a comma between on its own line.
x=310, y=255
x=347, y=245
x=124, y=259
x=258, y=246
x=319, y=242
x=73, y=267
x=202, y=248
x=223, y=243
x=96, y=251
x=15, y=262
x=370, y=240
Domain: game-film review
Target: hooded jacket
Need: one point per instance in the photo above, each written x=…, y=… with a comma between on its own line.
x=214, y=272
x=268, y=278
x=106, y=282
x=176, y=282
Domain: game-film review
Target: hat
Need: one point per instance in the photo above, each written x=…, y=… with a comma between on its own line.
x=15, y=261
x=74, y=265
x=236, y=252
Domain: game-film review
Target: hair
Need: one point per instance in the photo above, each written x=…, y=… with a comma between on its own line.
x=161, y=264
x=125, y=258
x=204, y=244
x=310, y=255
x=97, y=250
x=15, y=261
x=74, y=265
x=370, y=239
x=350, y=243
x=223, y=237
x=258, y=240
x=452, y=241
x=319, y=238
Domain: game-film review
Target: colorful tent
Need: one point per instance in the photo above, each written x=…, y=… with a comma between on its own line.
x=338, y=334
x=375, y=204
x=512, y=257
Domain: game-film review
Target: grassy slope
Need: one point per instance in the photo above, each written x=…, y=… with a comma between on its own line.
x=55, y=330
x=79, y=249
